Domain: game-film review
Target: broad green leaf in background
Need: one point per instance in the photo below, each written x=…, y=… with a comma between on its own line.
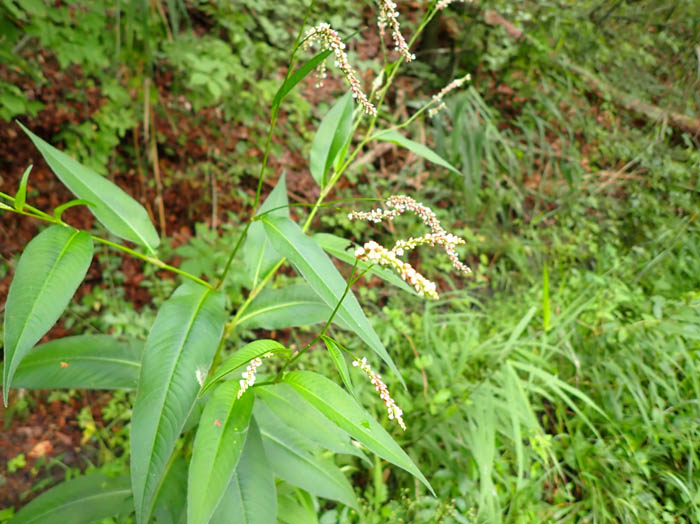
x=116, y=210
x=337, y=246
x=82, y=361
x=21, y=195
x=292, y=458
x=178, y=353
x=258, y=255
x=340, y=364
x=170, y=503
x=255, y=349
x=251, y=497
x=292, y=306
x=48, y=273
x=341, y=408
x=297, y=413
x=415, y=147
x=218, y=444
x=79, y=501
x=318, y=270
x=332, y=135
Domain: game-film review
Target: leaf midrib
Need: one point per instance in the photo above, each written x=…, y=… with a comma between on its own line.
x=342, y=310
x=410, y=467
x=53, y=509
x=10, y=371
x=110, y=208
x=364, y=329
x=268, y=346
x=304, y=457
x=220, y=440
x=49, y=359
x=162, y=401
x=282, y=305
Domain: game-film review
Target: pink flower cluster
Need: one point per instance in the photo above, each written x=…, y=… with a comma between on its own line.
x=394, y=411
x=389, y=17
x=328, y=39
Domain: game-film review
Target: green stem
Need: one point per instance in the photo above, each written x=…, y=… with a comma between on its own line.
x=273, y=119
x=239, y=242
x=258, y=192
x=230, y=326
x=38, y=214
x=152, y=260
x=351, y=281
x=395, y=66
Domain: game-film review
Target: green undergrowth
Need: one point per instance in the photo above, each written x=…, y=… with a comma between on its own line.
x=559, y=382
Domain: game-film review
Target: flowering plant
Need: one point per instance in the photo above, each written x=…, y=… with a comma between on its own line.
x=231, y=429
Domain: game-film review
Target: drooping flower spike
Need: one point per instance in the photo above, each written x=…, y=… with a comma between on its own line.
x=394, y=411
x=329, y=40
x=389, y=17
x=378, y=254
x=437, y=99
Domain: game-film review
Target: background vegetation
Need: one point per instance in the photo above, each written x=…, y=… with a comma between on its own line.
x=559, y=384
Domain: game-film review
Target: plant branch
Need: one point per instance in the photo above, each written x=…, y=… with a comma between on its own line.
x=36, y=213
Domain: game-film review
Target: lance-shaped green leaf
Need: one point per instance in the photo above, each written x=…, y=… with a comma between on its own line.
x=258, y=255
x=255, y=349
x=292, y=80
x=292, y=458
x=332, y=135
x=251, y=497
x=79, y=501
x=297, y=413
x=341, y=408
x=318, y=270
x=116, y=210
x=49, y=271
x=217, y=448
x=170, y=503
x=83, y=361
x=292, y=306
x=415, y=147
x=178, y=353
x=338, y=247
x=21, y=195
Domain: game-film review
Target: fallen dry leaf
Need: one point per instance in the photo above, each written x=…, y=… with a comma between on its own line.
x=41, y=449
